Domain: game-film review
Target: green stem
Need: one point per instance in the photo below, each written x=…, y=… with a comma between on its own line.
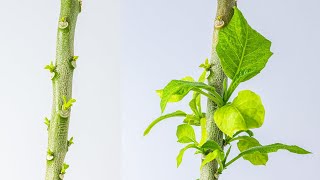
x=232, y=161
x=62, y=87
x=215, y=99
x=215, y=79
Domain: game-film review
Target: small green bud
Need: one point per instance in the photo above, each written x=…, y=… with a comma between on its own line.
x=75, y=58
x=65, y=110
x=206, y=65
x=50, y=155
x=51, y=68
x=63, y=170
x=70, y=142
x=74, y=61
x=67, y=104
x=47, y=122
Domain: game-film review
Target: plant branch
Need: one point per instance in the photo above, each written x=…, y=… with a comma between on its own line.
x=215, y=79
x=215, y=99
x=62, y=87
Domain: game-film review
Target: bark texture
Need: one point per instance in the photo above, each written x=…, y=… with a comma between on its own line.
x=62, y=87
x=215, y=79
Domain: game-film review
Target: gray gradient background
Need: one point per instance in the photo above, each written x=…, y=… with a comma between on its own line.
x=166, y=39
x=27, y=43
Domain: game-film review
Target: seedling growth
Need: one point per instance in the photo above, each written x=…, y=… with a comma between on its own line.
x=239, y=54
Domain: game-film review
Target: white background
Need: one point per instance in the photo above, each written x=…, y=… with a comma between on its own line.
x=168, y=39
x=27, y=43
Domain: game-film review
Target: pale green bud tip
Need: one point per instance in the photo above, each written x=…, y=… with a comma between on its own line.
x=75, y=58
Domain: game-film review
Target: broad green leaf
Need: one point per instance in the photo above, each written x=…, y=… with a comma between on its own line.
x=185, y=134
x=175, y=97
x=181, y=153
x=192, y=120
x=182, y=88
x=255, y=158
x=210, y=157
x=243, y=51
x=244, y=113
x=174, y=114
x=204, y=134
x=270, y=149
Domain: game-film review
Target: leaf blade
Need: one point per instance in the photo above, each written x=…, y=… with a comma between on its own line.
x=243, y=51
x=244, y=113
x=185, y=134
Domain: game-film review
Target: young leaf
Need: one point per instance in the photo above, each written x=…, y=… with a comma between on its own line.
x=64, y=168
x=270, y=149
x=181, y=153
x=70, y=142
x=206, y=65
x=192, y=120
x=182, y=88
x=204, y=134
x=185, y=134
x=50, y=67
x=242, y=50
x=175, y=97
x=255, y=158
x=275, y=147
x=174, y=114
x=47, y=122
x=245, y=112
x=211, y=145
x=193, y=104
x=210, y=157
x=202, y=77
x=67, y=104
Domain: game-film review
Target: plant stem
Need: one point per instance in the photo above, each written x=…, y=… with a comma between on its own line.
x=215, y=79
x=62, y=87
